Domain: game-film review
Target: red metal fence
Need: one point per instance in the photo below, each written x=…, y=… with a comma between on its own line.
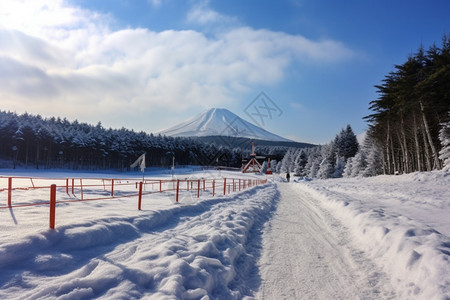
x=93, y=189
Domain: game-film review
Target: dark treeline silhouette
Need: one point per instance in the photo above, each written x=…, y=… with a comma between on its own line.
x=413, y=103
x=33, y=141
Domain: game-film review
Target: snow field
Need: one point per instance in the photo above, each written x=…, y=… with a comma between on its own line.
x=401, y=222
x=107, y=249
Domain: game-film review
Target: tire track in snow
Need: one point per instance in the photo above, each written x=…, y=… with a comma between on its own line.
x=307, y=254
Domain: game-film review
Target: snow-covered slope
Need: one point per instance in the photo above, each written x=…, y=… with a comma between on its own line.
x=220, y=122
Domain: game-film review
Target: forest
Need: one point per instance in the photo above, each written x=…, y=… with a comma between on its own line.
x=412, y=106
x=408, y=129
x=34, y=142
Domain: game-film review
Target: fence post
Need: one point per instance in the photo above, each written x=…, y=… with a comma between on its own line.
x=213, y=186
x=52, y=206
x=239, y=185
x=81, y=187
x=112, y=187
x=73, y=186
x=160, y=185
x=9, y=191
x=67, y=186
x=178, y=189
x=224, y=186
x=198, y=188
x=140, y=196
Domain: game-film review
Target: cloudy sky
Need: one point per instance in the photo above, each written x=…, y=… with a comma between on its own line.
x=149, y=64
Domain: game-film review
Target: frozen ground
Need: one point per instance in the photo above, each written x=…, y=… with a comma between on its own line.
x=374, y=238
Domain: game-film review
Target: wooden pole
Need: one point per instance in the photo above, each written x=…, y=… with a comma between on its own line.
x=52, y=206
x=178, y=189
x=9, y=191
x=140, y=196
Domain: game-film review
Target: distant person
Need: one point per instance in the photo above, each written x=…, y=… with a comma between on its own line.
x=288, y=176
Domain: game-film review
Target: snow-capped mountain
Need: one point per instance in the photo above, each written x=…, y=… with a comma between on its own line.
x=221, y=122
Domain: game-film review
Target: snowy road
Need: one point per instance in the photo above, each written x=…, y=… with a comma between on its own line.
x=360, y=238
x=307, y=254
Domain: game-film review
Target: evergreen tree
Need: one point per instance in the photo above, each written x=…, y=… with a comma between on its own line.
x=374, y=164
x=300, y=163
x=339, y=167
x=264, y=167
x=348, y=168
x=359, y=164
x=326, y=166
x=313, y=163
x=413, y=101
x=346, y=143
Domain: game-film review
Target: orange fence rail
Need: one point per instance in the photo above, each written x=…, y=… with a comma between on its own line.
x=88, y=189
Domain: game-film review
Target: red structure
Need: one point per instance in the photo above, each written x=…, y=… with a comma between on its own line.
x=269, y=170
x=253, y=165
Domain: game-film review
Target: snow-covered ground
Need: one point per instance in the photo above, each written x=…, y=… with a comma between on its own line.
x=385, y=237
x=402, y=223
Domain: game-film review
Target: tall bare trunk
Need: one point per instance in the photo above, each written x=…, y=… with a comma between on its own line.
x=388, y=158
x=393, y=157
x=427, y=151
x=404, y=146
x=436, y=163
x=416, y=139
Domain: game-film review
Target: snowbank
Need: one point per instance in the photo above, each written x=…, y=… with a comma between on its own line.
x=401, y=222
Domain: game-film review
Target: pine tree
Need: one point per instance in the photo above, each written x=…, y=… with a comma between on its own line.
x=359, y=164
x=374, y=164
x=339, y=167
x=264, y=167
x=348, y=168
x=346, y=143
x=313, y=163
x=300, y=163
x=326, y=167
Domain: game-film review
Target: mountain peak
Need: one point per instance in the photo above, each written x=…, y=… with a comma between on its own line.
x=220, y=122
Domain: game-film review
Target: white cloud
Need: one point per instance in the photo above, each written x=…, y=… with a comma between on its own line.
x=202, y=14
x=66, y=61
x=155, y=3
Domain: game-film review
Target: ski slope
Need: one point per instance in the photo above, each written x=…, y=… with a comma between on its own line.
x=361, y=238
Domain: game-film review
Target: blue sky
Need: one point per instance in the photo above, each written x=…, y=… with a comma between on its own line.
x=149, y=64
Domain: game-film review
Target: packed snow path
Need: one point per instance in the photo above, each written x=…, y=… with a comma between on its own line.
x=307, y=254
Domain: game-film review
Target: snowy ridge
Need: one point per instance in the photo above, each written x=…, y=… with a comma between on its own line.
x=402, y=226
x=202, y=251
x=220, y=122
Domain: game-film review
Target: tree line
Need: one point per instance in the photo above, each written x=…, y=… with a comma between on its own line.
x=413, y=103
x=324, y=161
x=409, y=129
x=32, y=141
